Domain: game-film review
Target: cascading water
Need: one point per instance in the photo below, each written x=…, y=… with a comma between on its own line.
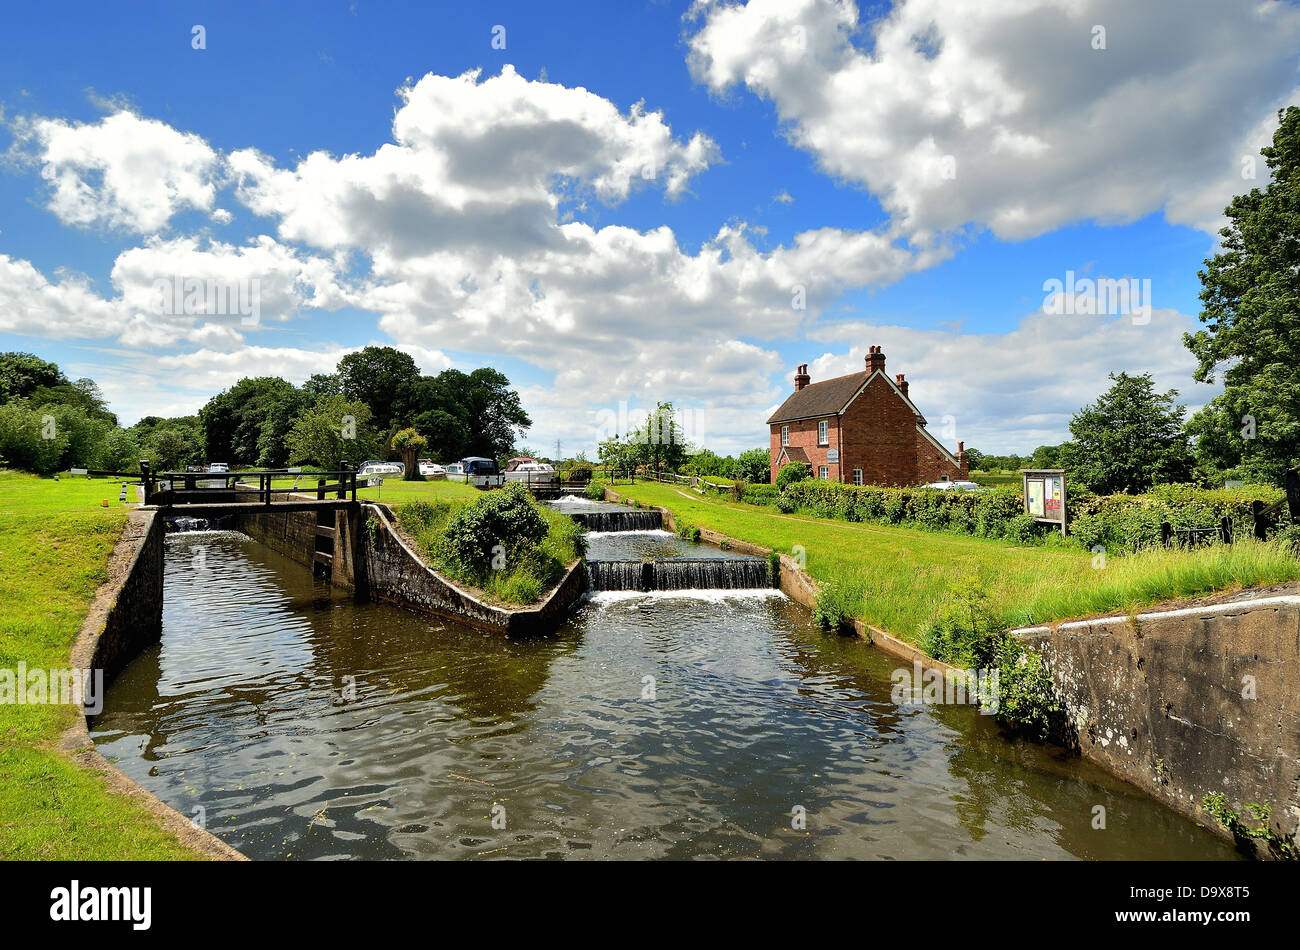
x=683, y=573
x=631, y=520
x=179, y=524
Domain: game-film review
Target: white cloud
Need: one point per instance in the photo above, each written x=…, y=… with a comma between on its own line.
x=1017, y=390
x=1002, y=114
x=123, y=171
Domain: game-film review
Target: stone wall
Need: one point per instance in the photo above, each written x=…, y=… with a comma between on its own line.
x=1186, y=702
x=124, y=618
x=127, y=617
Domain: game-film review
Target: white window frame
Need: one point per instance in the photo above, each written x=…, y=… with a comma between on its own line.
x=857, y=476
x=785, y=435
x=824, y=472
x=823, y=432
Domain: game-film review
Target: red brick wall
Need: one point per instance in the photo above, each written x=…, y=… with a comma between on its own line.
x=879, y=431
x=932, y=465
x=804, y=435
x=880, y=437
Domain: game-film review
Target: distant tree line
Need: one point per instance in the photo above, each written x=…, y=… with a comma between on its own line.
x=49, y=423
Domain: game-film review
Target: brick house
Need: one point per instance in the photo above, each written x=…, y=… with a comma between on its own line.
x=862, y=429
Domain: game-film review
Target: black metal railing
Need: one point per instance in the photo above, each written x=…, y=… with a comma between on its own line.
x=179, y=488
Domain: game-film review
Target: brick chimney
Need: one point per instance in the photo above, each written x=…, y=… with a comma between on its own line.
x=875, y=359
x=801, y=377
x=902, y=383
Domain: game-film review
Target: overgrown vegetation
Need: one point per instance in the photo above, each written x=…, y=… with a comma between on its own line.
x=966, y=634
x=503, y=542
x=1280, y=847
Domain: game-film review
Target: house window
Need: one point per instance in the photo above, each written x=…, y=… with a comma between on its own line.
x=785, y=435
x=823, y=472
x=823, y=433
x=857, y=476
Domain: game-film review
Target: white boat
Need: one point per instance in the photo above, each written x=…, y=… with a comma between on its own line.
x=530, y=472
x=432, y=469
x=374, y=469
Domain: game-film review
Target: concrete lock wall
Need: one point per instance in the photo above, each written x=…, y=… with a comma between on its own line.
x=1187, y=702
x=124, y=618
x=128, y=616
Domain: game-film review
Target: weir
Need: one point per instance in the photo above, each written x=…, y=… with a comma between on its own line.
x=680, y=574
x=632, y=520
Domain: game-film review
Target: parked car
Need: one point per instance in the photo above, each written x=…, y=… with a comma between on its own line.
x=476, y=471
x=958, y=485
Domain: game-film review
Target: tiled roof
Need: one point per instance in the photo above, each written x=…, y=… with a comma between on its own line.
x=820, y=399
x=794, y=453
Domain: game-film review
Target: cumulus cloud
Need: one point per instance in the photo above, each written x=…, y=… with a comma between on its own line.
x=123, y=171
x=1002, y=392
x=1004, y=113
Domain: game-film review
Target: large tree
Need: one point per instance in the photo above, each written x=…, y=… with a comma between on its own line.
x=249, y=423
x=333, y=430
x=1129, y=440
x=21, y=374
x=1250, y=295
x=382, y=378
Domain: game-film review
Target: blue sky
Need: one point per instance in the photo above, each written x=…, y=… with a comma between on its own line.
x=812, y=123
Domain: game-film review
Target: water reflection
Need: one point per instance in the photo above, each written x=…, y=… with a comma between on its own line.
x=246, y=710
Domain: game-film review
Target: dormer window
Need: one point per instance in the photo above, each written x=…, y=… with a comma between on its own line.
x=824, y=432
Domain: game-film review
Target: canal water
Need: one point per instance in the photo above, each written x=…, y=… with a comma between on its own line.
x=296, y=724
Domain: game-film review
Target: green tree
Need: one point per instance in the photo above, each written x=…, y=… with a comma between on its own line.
x=249, y=423
x=1130, y=439
x=332, y=430
x=754, y=465
x=410, y=443
x=1250, y=297
x=384, y=379
x=21, y=374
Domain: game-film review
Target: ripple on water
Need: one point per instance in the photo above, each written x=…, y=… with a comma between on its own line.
x=670, y=724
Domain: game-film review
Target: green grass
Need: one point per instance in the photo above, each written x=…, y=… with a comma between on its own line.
x=55, y=540
x=899, y=578
x=994, y=479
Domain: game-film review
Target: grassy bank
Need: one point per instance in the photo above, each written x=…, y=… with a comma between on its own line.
x=55, y=540
x=501, y=543
x=899, y=578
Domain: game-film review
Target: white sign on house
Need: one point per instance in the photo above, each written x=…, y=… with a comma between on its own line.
x=832, y=455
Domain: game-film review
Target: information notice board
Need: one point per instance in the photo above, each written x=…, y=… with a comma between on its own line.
x=1045, y=495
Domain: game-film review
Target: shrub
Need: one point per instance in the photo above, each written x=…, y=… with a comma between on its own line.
x=760, y=494
x=966, y=634
x=792, y=472
x=595, y=490
x=1021, y=528
x=579, y=472
x=784, y=503
x=687, y=530
x=497, y=522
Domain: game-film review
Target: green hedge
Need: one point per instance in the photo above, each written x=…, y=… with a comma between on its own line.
x=1118, y=522
x=991, y=513
x=1129, y=522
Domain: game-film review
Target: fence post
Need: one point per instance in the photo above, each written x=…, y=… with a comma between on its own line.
x=320, y=489
x=1225, y=529
x=1293, y=493
x=1166, y=533
x=1261, y=523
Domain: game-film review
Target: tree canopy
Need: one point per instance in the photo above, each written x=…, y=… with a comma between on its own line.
x=1250, y=296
